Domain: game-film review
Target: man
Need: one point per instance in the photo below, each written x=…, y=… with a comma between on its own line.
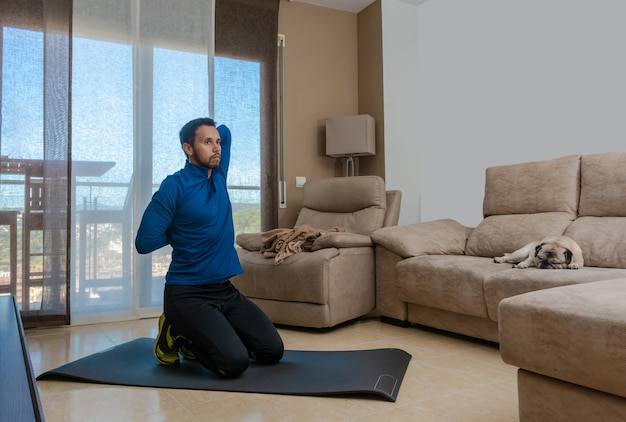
x=205, y=316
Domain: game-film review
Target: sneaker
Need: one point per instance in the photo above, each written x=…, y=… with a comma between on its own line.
x=165, y=349
x=186, y=352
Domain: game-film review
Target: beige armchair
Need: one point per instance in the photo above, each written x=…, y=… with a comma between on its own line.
x=334, y=282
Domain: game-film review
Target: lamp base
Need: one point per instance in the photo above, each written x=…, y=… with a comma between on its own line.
x=350, y=166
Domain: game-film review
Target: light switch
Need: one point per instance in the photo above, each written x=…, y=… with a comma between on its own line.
x=300, y=181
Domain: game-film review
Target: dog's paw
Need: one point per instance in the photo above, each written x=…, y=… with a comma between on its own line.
x=501, y=259
x=521, y=265
x=575, y=266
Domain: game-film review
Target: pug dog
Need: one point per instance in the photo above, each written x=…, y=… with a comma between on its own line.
x=553, y=252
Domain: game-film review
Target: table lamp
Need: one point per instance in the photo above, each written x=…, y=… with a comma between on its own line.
x=350, y=136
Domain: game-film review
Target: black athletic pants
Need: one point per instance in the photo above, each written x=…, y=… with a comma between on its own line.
x=222, y=327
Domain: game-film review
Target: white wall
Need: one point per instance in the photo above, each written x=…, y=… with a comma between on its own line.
x=502, y=82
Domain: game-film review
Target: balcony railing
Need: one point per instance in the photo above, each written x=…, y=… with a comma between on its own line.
x=102, y=242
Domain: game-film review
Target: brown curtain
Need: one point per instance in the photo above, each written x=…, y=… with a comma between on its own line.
x=248, y=30
x=44, y=287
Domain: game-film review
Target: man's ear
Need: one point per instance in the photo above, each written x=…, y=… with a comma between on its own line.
x=188, y=149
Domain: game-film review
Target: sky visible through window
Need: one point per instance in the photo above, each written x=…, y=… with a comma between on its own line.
x=102, y=113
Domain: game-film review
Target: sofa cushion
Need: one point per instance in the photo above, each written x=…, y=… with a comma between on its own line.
x=523, y=204
x=295, y=279
x=445, y=237
x=306, y=276
x=357, y=204
x=499, y=234
x=533, y=187
x=602, y=240
x=453, y=283
x=513, y=281
x=603, y=185
x=572, y=333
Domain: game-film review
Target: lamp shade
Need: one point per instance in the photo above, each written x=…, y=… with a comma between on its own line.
x=350, y=136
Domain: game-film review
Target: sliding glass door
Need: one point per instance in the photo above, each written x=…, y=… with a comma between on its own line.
x=138, y=70
x=130, y=98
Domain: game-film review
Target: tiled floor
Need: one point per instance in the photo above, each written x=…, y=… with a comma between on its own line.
x=448, y=379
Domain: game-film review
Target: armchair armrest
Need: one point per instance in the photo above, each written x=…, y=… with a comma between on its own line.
x=341, y=240
x=249, y=241
x=440, y=237
x=254, y=242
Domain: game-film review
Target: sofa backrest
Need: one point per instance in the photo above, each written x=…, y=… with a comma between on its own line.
x=357, y=204
x=600, y=228
x=603, y=185
x=526, y=202
x=533, y=187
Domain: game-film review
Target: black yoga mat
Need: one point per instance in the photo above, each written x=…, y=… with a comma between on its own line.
x=376, y=372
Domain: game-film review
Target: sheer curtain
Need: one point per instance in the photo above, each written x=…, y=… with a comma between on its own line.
x=34, y=155
x=149, y=68
x=141, y=69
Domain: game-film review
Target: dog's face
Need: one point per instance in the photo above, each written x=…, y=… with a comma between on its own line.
x=550, y=256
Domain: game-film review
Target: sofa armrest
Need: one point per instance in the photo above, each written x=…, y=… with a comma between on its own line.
x=440, y=237
x=249, y=241
x=341, y=240
x=253, y=242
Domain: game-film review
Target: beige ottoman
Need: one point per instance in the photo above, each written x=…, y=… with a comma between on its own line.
x=570, y=345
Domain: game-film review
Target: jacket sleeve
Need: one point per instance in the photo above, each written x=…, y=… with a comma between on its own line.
x=226, y=144
x=152, y=232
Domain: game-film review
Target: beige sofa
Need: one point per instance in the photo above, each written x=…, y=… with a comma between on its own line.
x=441, y=274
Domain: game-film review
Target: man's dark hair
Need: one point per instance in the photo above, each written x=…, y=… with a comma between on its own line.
x=188, y=132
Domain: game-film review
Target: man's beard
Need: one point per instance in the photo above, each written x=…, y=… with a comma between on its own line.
x=213, y=163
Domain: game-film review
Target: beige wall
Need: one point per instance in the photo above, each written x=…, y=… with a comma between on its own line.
x=370, y=52
x=320, y=81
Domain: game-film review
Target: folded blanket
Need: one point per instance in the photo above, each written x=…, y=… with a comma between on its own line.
x=282, y=243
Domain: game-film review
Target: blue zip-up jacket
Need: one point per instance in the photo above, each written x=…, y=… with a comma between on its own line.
x=193, y=214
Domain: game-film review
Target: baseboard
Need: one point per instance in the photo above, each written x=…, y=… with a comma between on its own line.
x=395, y=321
